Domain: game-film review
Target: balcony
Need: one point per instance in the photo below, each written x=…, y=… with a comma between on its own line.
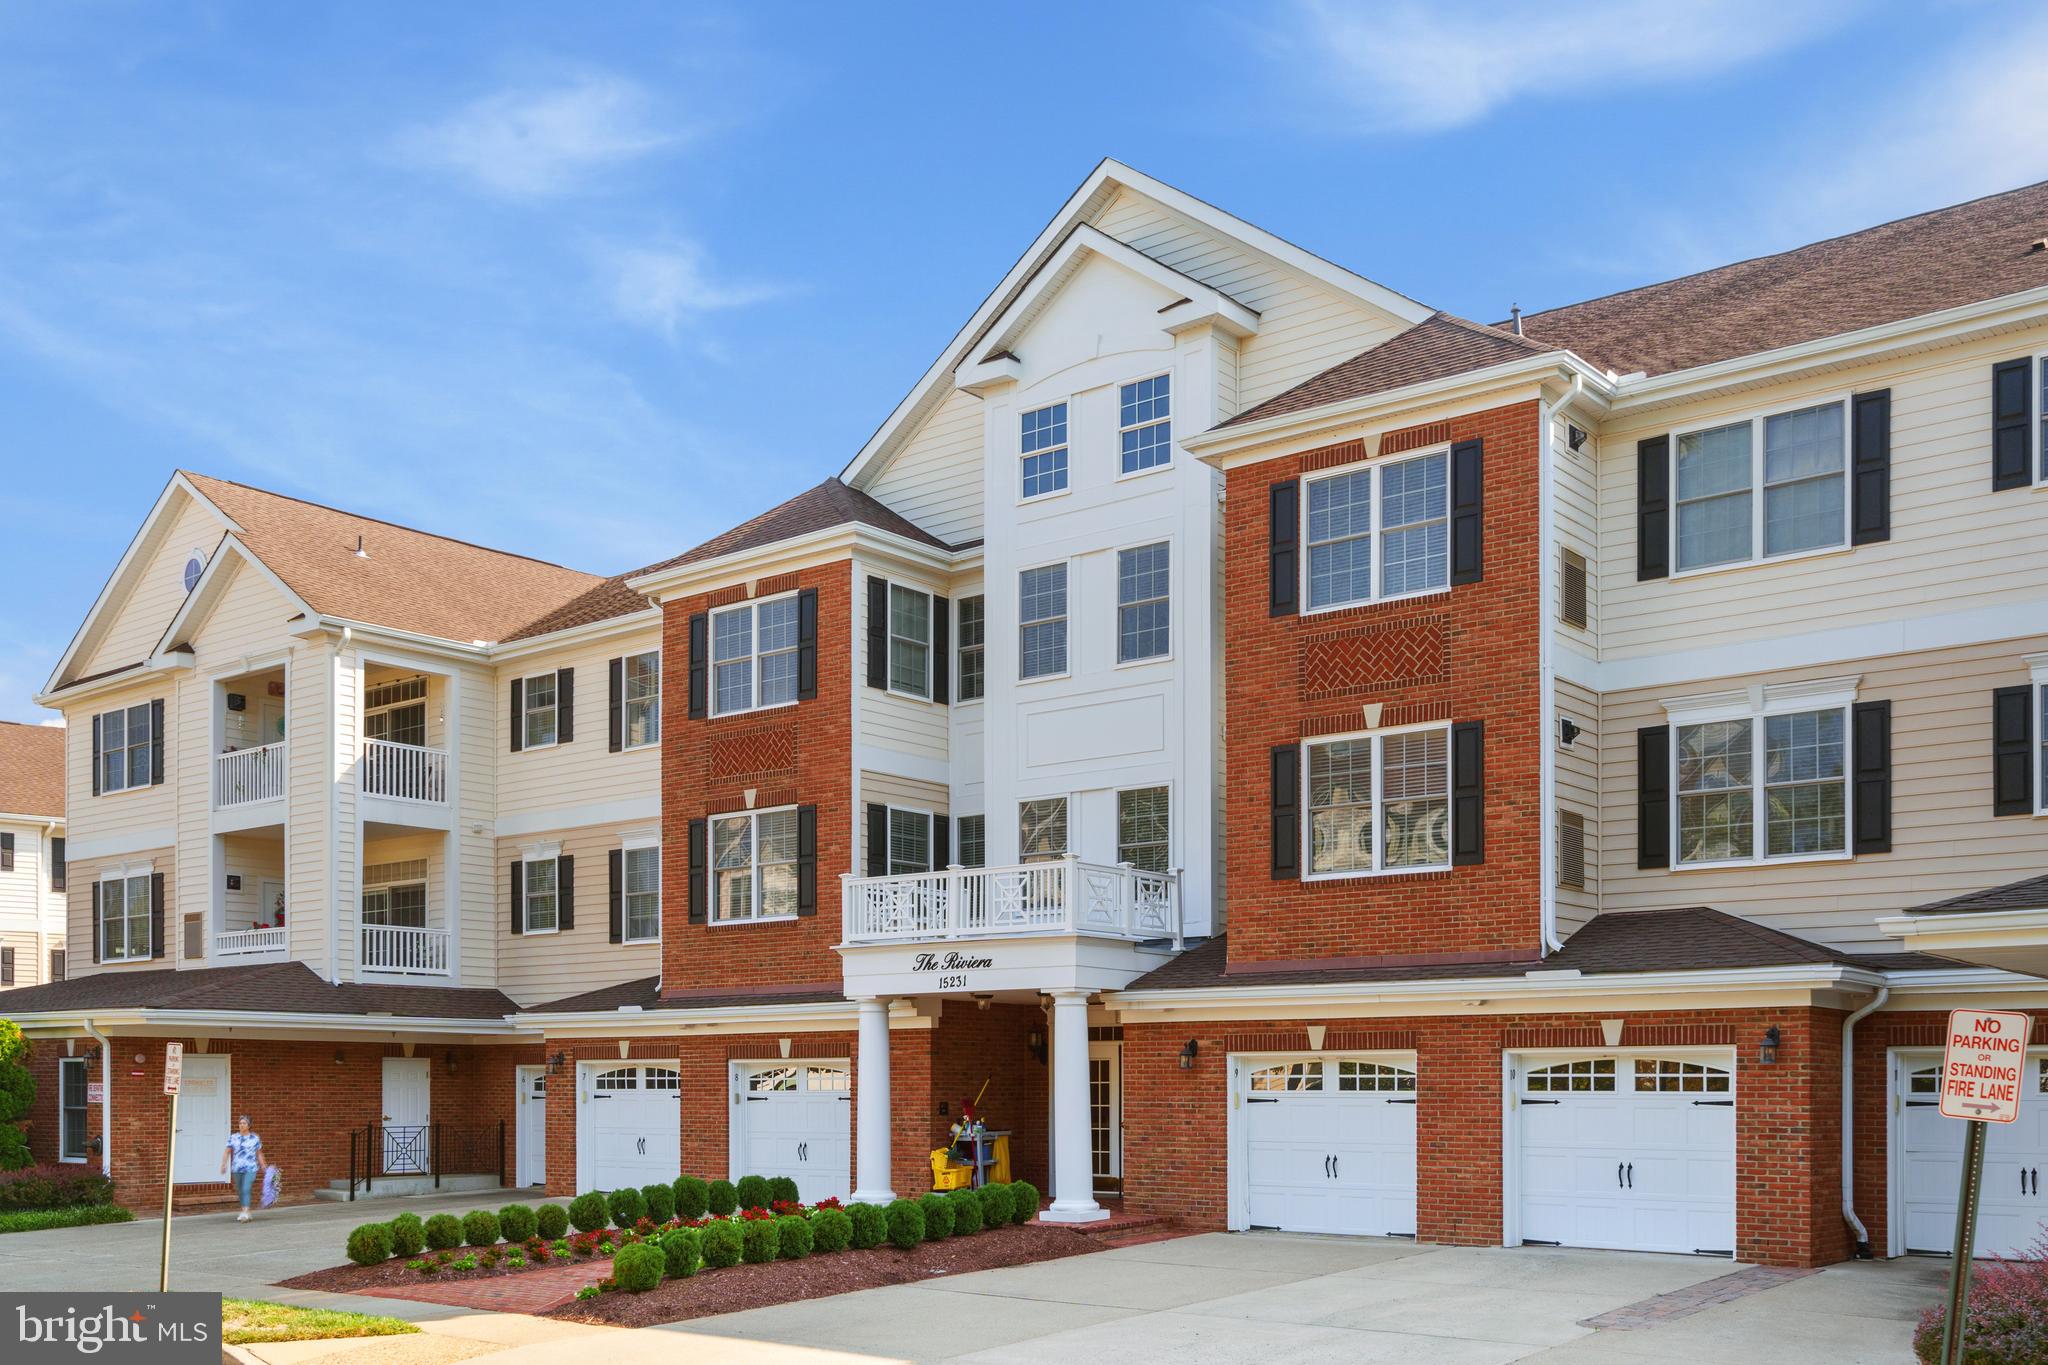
x=249, y=943
x=248, y=776
x=405, y=772
x=404, y=950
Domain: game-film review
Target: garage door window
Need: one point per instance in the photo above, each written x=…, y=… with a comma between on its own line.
x=622, y=1078
x=1288, y=1076
x=663, y=1078
x=1357, y=1076
x=1588, y=1073
x=773, y=1079
x=827, y=1078
x=1662, y=1076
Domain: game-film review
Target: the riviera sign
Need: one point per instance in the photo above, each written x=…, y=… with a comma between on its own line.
x=949, y=962
x=1982, y=1067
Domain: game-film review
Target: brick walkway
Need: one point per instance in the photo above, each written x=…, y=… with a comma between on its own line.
x=1683, y=1303
x=529, y=1291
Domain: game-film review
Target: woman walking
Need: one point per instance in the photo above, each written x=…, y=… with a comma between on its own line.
x=244, y=1161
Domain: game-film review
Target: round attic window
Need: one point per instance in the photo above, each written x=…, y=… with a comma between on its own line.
x=193, y=568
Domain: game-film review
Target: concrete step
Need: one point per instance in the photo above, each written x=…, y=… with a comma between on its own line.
x=405, y=1186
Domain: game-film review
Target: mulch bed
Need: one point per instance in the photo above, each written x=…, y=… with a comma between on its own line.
x=740, y=1287
x=368, y=1279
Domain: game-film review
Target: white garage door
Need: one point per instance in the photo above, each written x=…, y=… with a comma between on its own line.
x=631, y=1126
x=1634, y=1153
x=1329, y=1145
x=794, y=1119
x=2013, y=1210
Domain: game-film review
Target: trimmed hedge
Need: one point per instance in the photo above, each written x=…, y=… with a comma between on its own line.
x=996, y=1205
x=1025, y=1196
x=660, y=1200
x=966, y=1212
x=760, y=1241
x=906, y=1224
x=53, y=1187
x=782, y=1190
x=408, y=1234
x=626, y=1207
x=480, y=1228
x=723, y=1245
x=370, y=1244
x=444, y=1232
x=551, y=1221
x=870, y=1226
x=517, y=1222
x=938, y=1216
x=722, y=1197
x=793, y=1239
x=831, y=1230
x=588, y=1212
x=753, y=1191
x=683, y=1250
x=693, y=1197
x=638, y=1268
x=71, y=1216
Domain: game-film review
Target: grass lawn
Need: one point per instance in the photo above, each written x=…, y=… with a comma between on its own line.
x=77, y=1216
x=246, y=1322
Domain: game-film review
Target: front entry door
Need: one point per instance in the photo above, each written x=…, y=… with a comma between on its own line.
x=533, y=1125
x=407, y=1101
x=205, y=1117
x=1106, y=1115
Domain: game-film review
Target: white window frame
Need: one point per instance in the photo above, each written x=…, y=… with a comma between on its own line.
x=386, y=885
x=2037, y=771
x=551, y=854
x=890, y=639
x=1378, y=804
x=1756, y=705
x=1122, y=426
x=128, y=749
x=385, y=708
x=754, y=655
x=1064, y=448
x=1067, y=806
x=1756, y=421
x=930, y=844
x=649, y=704
x=711, y=869
x=1066, y=620
x=127, y=877
x=959, y=848
x=1118, y=815
x=961, y=649
x=1375, y=533
x=1165, y=655
x=645, y=843
x=2037, y=424
x=84, y=1107
x=527, y=709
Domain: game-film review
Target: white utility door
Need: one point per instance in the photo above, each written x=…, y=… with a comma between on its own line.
x=205, y=1118
x=794, y=1119
x=408, y=1107
x=532, y=1135
x=1106, y=1114
x=1329, y=1145
x=2013, y=1211
x=630, y=1119
x=1632, y=1153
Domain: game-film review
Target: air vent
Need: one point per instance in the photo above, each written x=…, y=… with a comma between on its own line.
x=1571, y=850
x=1572, y=589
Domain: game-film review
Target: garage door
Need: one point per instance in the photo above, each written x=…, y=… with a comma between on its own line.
x=1329, y=1145
x=794, y=1119
x=631, y=1126
x=2013, y=1211
x=1635, y=1153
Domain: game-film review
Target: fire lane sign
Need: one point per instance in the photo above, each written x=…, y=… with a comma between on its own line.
x=1982, y=1066
x=174, y=1067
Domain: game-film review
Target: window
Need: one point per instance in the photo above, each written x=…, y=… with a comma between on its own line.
x=640, y=869
x=56, y=964
x=1369, y=1076
x=753, y=655
x=403, y=904
x=1406, y=526
x=973, y=833
x=973, y=638
x=125, y=740
x=1760, y=787
x=1663, y=1076
x=1044, y=448
x=397, y=711
x=1590, y=1073
x=753, y=865
x=1042, y=622
x=542, y=894
x=1144, y=426
x=71, y=1078
x=538, y=711
x=640, y=678
x=1142, y=603
x=57, y=863
x=910, y=841
x=1285, y=1076
x=1380, y=803
x=1796, y=458
x=774, y=1080
x=124, y=919
x=910, y=641
x=1042, y=829
x=1141, y=828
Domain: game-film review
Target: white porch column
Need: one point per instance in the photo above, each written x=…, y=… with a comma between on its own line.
x=871, y=1135
x=1073, y=1168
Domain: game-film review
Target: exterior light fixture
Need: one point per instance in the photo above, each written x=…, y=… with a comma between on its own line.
x=1767, y=1050
x=982, y=999
x=448, y=1058
x=337, y=1057
x=1035, y=1042
x=557, y=1062
x=1187, y=1056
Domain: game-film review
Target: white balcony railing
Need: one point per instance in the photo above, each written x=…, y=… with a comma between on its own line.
x=1065, y=896
x=401, y=948
x=250, y=775
x=405, y=772
x=249, y=942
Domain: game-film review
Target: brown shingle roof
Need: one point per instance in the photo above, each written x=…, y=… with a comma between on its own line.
x=607, y=601
x=645, y=992
x=2031, y=894
x=830, y=504
x=31, y=769
x=1944, y=259
x=266, y=988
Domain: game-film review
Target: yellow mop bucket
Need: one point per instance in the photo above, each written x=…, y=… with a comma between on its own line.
x=947, y=1176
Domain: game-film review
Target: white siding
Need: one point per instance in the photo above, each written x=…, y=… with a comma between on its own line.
x=887, y=789
x=583, y=772
x=137, y=620
x=31, y=915
x=892, y=720
x=935, y=479
x=1578, y=789
x=535, y=968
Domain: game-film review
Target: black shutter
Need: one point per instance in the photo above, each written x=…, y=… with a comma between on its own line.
x=942, y=644
x=878, y=633
x=518, y=898
x=1468, y=515
x=1653, y=796
x=95, y=764
x=1870, y=463
x=565, y=705
x=807, y=860
x=615, y=735
x=6, y=966
x=2011, y=436
x=1653, y=509
x=617, y=859
x=2012, y=751
x=1286, y=802
x=156, y=914
x=56, y=964
x=156, y=743
x=807, y=644
x=518, y=714
x=96, y=921
x=1871, y=723
x=6, y=853
x=1468, y=793
x=1283, y=559
x=700, y=653
x=942, y=839
x=565, y=893
x=697, y=887
x=57, y=864
x=878, y=840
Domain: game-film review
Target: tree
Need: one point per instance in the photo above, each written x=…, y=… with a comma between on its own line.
x=17, y=1093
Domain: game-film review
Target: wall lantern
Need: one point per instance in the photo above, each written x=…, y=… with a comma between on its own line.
x=92, y=1054
x=1767, y=1050
x=557, y=1062
x=448, y=1058
x=338, y=1058
x=1035, y=1042
x=1187, y=1056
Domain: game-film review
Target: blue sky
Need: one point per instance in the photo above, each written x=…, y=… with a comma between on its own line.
x=595, y=282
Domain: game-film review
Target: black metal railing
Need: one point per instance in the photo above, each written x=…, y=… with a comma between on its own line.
x=435, y=1149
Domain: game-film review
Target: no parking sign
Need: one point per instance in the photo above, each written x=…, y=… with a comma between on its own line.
x=1982, y=1066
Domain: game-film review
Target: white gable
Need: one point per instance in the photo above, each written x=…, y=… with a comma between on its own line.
x=148, y=587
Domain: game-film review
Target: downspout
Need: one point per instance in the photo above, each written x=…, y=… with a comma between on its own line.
x=348, y=636
x=1546, y=668
x=1863, y=1252
x=106, y=1046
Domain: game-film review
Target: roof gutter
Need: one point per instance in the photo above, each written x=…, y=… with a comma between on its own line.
x=215, y=1020
x=639, y=1019
x=674, y=581
x=572, y=635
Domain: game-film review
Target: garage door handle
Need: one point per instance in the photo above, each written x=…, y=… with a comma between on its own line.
x=1333, y=1168
x=1718, y=1104
x=1326, y=1167
x=1631, y=1175
x=1617, y=1175
x=1537, y=1102
x=1262, y=1099
x=1406, y=1101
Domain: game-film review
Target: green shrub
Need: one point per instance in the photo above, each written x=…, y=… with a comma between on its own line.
x=480, y=1228
x=783, y=1190
x=906, y=1224
x=938, y=1216
x=589, y=1212
x=793, y=1237
x=760, y=1241
x=444, y=1231
x=17, y=1097
x=53, y=1187
x=638, y=1268
x=517, y=1222
x=722, y=1245
x=660, y=1201
x=71, y=1216
x=408, y=1235
x=370, y=1244
x=966, y=1212
x=722, y=1197
x=551, y=1221
x=753, y=1192
x=683, y=1250
x=996, y=1205
x=693, y=1197
x=870, y=1226
x=1024, y=1195
x=831, y=1230
x=627, y=1207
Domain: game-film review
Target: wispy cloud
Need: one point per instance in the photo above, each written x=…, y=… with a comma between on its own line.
x=1412, y=67
x=667, y=286
x=537, y=141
